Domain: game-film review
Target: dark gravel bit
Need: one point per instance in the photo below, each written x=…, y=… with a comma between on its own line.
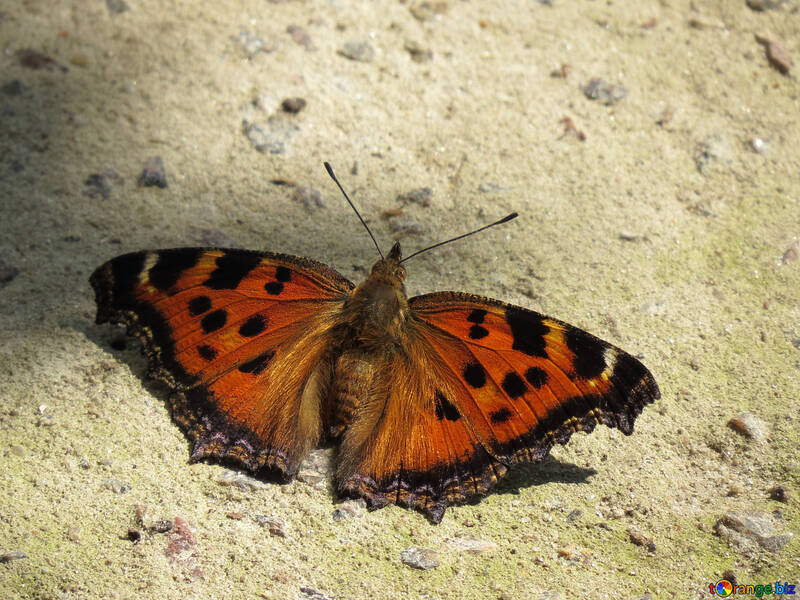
x=764, y=5
x=102, y=183
x=640, y=539
x=421, y=196
x=312, y=594
x=293, y=105
x=7, y=272
x=779, y=493
x=418, y=52
x=12, y=88
x=117, y=7
x=16, y=166
x=600, y=89
x=116, y=485
x=777, y=55
x=300, y=36
x=134, y=535
x=358, y=51
x=574, y=515
x=792, y=253
x=153, y=174
x=420, y=558
x=9, y=556
x=33, y=59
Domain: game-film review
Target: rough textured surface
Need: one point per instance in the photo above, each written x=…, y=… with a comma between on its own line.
x=621, y=233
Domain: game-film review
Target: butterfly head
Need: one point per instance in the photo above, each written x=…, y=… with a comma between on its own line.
x=389, y=270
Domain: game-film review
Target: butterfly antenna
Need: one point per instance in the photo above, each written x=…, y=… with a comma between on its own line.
x=505, y=219
x=353, y=206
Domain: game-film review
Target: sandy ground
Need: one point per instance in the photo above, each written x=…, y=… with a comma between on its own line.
x=659, y=222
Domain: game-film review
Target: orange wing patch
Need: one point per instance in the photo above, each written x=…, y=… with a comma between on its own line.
x=221, y=328
x=500, y=385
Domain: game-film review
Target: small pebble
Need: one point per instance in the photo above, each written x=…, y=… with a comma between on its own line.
x=640, y=539
x=426, y=11
x=418, y=52
x=300, y=36
x=599, y=89
x=270, y=137
x=792, y=253
x=293, y=105
x=405, y=225
x=275, y=526
x=181, y=539
x=12, y=88
x=419, y=558
x=34, y=59
x=764, y=5
x=102, y=183
x=748, y=425
x=239, y=480
x=116, y=485
x=779, y=493
x=714, y=148
x=117, y=7
x=358, y=51
x=308, y=197
x=153, y=174
x=470, y=545
x=421, y=196
x=312, y=594
x=777, y=55
x=350, y=509
x=17, y=450
x=253, y=44
x=9, y=556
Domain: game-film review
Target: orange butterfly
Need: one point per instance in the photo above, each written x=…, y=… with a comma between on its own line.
x=431, y=398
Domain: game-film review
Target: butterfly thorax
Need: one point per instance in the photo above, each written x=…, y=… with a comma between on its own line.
x=377, y=310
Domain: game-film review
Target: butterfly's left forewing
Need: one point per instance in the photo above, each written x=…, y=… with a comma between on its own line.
x=243, y=338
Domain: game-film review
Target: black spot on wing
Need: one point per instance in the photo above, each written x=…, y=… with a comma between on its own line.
x=213, y=321
x=476, y=332
x=445, y=409
x=283, y=274
x=257, y=364
x=477, y=316
x=274, y=287
x=232, y=267
x=527, y=331
x=500, y=416
x=199, y=305
x=474, y=375
x=171, y=263
x=253, y=326
x=513, y=385
x=207, y=352
x=589, y=353
x=536, y=377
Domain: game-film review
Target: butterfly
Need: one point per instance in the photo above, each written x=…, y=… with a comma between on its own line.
x=430, y=399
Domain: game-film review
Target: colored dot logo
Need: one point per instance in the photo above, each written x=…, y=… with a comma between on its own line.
x=723, y=588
